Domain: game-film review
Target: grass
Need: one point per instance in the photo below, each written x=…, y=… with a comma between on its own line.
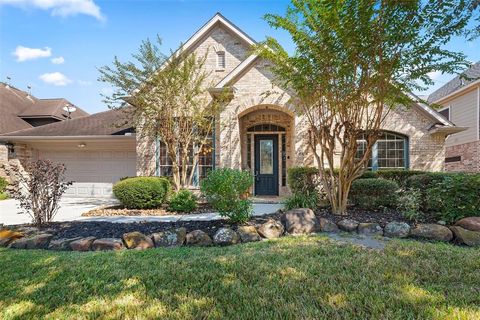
x=288, y=278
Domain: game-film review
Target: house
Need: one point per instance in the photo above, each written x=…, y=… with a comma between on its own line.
x=460, y=103
x=255, y=131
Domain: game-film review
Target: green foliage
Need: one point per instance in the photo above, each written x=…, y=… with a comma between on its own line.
x=423, y=182
x=3, y=196
x=3, y=184
x=409, y=204
x=369, y=175
x=302, y=179
x=183, y=201
x=456, y=196
x=399, y=176
x=226, y=190
x=142, y=192
x=372, y=194
x=302, y=200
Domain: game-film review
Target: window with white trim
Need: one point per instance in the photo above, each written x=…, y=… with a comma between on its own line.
x=389, y=152
x=221, y=63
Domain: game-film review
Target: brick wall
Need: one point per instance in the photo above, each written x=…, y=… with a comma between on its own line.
x=469, y=154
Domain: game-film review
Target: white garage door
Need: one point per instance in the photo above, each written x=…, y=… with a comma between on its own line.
x=93, y=172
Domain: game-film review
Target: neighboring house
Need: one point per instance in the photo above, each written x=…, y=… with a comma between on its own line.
x=460, y=103
x=256, y=131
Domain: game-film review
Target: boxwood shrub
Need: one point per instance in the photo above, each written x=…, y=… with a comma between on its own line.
x=371, y=194
x=183, y=201
x=142, y=192
x=302, y=179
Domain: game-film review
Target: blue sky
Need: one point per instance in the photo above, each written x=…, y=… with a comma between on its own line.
x=87, y=34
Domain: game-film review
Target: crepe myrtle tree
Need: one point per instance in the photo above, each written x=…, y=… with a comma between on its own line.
x=39, y=191
x=167, y=98
x=354, y=61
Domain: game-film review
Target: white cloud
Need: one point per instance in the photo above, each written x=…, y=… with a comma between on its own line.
x=57, y=60
x=63, y=8
x=23, y=53
x=55, y=78
x=434, y=75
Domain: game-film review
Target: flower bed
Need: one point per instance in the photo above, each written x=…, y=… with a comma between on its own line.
x=120, y=210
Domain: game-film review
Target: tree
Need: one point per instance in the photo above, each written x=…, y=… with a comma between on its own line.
x=354, y=62
x=167, y=100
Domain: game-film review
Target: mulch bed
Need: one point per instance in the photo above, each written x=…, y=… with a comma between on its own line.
x=118, y=210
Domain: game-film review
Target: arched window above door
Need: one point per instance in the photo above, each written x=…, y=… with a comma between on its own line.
x=266, y=127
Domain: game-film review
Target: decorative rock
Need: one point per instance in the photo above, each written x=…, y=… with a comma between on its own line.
x=39, y=241
x=441, y=222
x=137, y=240
x=61, y=244
x=348, y=225
x=225, y=237
x=271, y=229
x=300, y=221
x=198, y=238
x=370, y=229
x=248, y=234
x=170, y=238
x=469, y=223
x=83, y=244
x=468, y=237
x=432, y=232
x=328, y=225
x=397, y=229
x=107, y=244
x=7, y=236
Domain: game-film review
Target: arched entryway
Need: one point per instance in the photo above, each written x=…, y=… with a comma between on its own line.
x=267, y=147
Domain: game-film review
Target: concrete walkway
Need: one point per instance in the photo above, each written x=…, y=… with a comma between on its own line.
x=71, y=209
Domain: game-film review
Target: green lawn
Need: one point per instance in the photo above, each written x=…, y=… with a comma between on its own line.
x=288, y=278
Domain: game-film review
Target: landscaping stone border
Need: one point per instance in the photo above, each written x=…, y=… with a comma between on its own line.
x=297, y=221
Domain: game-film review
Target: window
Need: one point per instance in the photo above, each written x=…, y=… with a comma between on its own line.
x=390, y=151
x=221, y=60
x=266, y=127
x=445, y=113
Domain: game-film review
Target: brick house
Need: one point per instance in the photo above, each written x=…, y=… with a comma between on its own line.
x=255, y=131
x=460, y=102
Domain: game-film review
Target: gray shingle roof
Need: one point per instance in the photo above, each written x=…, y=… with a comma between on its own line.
x=473, y=73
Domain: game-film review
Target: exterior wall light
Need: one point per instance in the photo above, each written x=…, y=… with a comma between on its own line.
x=82, y=145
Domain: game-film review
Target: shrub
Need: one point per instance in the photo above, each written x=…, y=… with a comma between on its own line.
x=456, y=196
x=3, y=184
x=40, y=191
x=302, y=200
x=409, y=204
x=183, y=201
x=142, y=192
x=399, y=176
x=374, y=193
x=226, y=189
x=423, y=182
x=369, y=175
x=302, y=179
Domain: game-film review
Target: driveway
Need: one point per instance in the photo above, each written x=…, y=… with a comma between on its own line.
x=70, y=209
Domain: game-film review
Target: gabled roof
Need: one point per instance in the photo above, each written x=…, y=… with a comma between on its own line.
x=457, y=84
x=51, y=108
x=112, y=122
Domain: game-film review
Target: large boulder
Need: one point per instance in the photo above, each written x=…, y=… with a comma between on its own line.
x=469, y=223
x=348, y=225
x=7, y=236
x=198, y=238
x=396, y=229
x=300, y=221
x=248, y=234
x=62, y=244
x=83, y=244
x=468, y=237
x=170, y=238
x=271, y=229
x=327, y=225
x=104, y=244
x=432, y=231
x=39, y=241
x=225, y=237
x=370, y=229
x=137, y=240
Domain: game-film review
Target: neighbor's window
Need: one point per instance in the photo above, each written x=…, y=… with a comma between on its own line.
x=389, y=152
x=221, y=60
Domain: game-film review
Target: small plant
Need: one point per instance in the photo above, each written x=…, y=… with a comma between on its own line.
x=372, y=194
x=40, y=191
x=226, y=190
x=142, y=192
x=3, y=188
x=183, y=201
x=301, y=200
x=409, y=204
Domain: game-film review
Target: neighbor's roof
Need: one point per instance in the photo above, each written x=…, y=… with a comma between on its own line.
x=51, y=108
x=457, y=83
x=112, y=122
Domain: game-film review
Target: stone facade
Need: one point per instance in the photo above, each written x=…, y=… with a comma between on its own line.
x=463, y=157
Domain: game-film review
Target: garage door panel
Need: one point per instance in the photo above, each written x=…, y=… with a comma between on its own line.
x=93, y=172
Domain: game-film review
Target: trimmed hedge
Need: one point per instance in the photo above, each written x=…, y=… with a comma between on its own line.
x=399, y=176
x=371, y=194
x=183, y=201
x=142, y=192
x=302, y=179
